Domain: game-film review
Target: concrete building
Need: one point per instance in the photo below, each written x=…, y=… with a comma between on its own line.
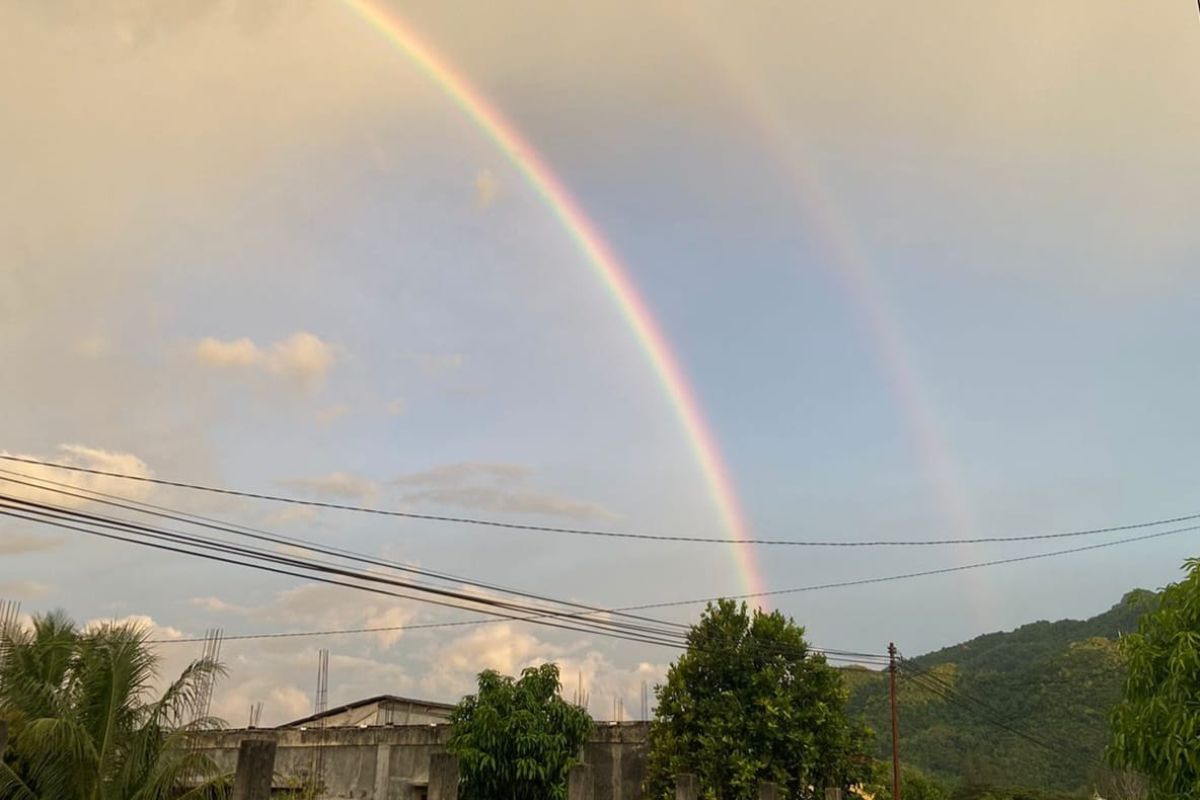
x=370, y=758
x=384, y=709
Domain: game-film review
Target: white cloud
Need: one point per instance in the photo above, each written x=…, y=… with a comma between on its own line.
x=514, y=501
x=88, y=458
x=13, y=544
x=217, y=605
x=23, y=590
x=464, y=472
x=302, y=357
x=331, y=414
x=502, y=647
x=142, y=621
x=510, y=649
x=440, y=363
x=493, y=487
x=486, y=188
x=94, y=345
x=282, y=701
x=342, y=485
x=324, y=607
x=291, y=514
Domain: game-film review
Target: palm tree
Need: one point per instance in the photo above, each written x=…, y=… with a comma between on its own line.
x=83, y=724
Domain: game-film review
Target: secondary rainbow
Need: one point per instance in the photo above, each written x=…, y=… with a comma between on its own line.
x=848, y=257
x=597, y=253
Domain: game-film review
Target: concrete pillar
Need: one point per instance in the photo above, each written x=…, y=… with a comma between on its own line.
x=383, y=770
x=255, y=768
x=833, y=794
x=579, y=784
x=443, y=776
x=686, y=786
x=767, y=790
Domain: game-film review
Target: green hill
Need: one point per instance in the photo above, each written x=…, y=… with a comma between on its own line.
x=1027, y=707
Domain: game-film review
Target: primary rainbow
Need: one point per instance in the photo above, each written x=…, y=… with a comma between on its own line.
x=597, y=253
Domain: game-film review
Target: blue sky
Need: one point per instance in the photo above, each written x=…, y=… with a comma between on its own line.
x=263, y=251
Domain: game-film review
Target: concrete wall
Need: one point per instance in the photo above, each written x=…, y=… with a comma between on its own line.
x=391, y=762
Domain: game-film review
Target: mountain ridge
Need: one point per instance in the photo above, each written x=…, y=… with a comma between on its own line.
x=1026, y=707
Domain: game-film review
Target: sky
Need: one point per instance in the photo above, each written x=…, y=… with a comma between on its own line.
x=929, y=272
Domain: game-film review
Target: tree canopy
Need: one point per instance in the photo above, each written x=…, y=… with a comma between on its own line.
x=1156, y=724
x=747, y=702
x=1056, y=681
x=84, y=723
x=517, y=738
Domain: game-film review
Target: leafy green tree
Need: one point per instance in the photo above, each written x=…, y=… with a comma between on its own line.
x=915, y=785
x=1156, y=725
x=517, y=739
x=83, y=724
x=1057, y=680
x=750, y=702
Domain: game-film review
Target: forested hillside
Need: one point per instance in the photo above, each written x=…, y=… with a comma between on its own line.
x=1027, y=707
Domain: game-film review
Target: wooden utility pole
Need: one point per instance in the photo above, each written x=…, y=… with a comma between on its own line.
x=895, y=723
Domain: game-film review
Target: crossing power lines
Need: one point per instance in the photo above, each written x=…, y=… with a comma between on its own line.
x=503, y=525
x=544, y=611
x=335, y=567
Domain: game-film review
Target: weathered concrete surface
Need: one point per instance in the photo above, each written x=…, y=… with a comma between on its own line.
x=617, y=755
x=443, y=777
x=391, y=762
x=580, y=783
x=686, y=786
x=255, y=766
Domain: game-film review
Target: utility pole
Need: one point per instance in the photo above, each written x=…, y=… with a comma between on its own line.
x=895, y=723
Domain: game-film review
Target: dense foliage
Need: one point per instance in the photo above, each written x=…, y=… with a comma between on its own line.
x=748, y=702
x=517, y=739
x=83, y=724
x=915, y=785
x=1056, y=681
x=1156, y=726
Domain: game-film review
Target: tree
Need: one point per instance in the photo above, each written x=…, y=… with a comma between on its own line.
x=517, y=739
x=1156, y=725
x=915, y=785
x=748, y=702
x=83, y=724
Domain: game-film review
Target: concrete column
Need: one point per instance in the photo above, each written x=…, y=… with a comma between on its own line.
x=579, y=784
x=686, y=786
x=255, y=768
x=768, y=790
x=443, y=776
x=833, y=794
x=383, y=771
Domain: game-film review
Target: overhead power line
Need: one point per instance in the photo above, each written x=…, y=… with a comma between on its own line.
x=323, y=572
x=911, y=575
x=891, y=578
x=605, y=622
x=491, y=523
x=658, y=633
x=258, y=534
x=934, y=684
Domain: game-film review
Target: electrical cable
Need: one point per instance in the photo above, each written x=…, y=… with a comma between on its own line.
x=491, y=523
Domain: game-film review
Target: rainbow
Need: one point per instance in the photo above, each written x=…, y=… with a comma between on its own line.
x=597, y=253
x=849, y=260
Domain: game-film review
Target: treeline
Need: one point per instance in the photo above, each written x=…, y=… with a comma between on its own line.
x=1027, y=707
